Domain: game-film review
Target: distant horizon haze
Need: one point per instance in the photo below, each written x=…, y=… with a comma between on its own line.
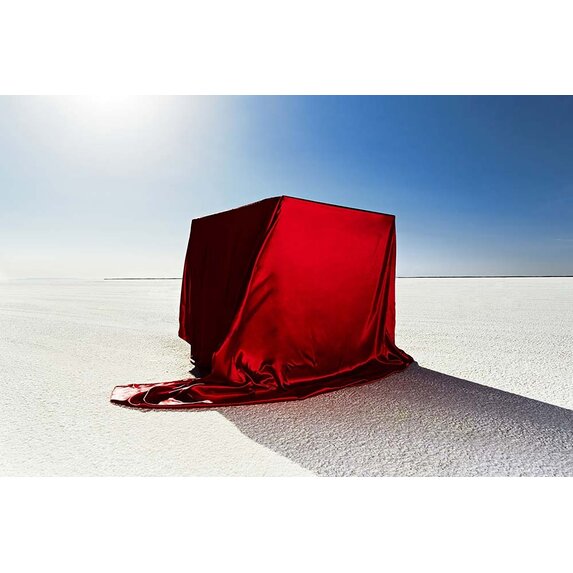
x=94, y=278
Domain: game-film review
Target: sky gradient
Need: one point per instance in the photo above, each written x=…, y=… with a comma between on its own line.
x=107, y=186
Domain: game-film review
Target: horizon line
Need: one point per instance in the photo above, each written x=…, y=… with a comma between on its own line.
x=397, y=276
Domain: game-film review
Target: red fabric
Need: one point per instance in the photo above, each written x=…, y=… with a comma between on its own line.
x=281, y=300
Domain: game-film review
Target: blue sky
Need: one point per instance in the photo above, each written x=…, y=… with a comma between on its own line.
x=107, y=186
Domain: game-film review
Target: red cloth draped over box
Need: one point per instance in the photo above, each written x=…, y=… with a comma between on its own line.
x=281, y=300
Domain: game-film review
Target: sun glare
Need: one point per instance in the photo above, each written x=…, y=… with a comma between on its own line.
x=112, y=105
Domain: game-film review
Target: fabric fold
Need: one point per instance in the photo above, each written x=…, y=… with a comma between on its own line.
x=282, y=300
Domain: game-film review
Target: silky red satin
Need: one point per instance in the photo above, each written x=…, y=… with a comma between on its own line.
x=282, y=300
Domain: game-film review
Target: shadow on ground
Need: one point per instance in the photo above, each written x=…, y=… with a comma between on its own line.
x=415, y=423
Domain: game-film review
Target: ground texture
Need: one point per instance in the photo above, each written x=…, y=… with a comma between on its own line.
x=491, y=393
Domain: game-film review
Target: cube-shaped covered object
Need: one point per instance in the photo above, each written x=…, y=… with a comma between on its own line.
x=283, y=299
